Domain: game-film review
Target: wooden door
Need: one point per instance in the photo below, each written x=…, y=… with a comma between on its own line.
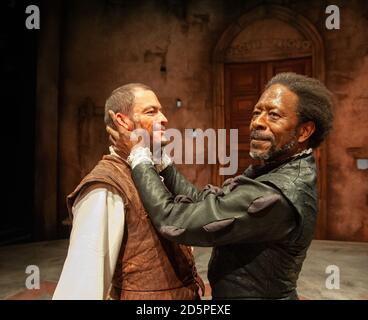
x=244, y=84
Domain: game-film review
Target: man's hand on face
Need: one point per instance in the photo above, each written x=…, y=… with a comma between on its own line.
x=124, y=140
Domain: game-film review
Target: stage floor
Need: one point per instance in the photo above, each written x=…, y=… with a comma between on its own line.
x=350, y=257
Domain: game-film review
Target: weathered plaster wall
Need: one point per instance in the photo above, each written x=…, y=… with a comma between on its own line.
x=347, y=77
x=109, y=43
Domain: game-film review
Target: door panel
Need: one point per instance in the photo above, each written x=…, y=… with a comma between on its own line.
x=301, y=66
x=244, y=84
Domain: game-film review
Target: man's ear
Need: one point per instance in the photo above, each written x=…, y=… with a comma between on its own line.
x=124, y=121
x=305, y=131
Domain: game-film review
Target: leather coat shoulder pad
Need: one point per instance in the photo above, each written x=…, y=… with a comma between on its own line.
x=218, y=225
x=258, y=206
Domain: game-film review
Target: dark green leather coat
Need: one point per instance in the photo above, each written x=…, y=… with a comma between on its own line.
x=260, y=228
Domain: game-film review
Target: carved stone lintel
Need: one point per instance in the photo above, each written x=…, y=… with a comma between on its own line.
x=271, y=47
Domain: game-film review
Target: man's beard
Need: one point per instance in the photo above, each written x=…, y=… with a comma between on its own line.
x=273, y=152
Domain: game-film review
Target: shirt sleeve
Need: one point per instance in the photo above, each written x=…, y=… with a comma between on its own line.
x=95, y=241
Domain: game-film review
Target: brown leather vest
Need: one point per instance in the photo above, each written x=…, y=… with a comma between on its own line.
x=149, y=267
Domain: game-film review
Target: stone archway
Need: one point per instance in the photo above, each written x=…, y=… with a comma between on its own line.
x=263, y=34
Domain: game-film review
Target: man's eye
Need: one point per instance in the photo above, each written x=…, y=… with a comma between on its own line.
x=274, y=115
x=256, y=113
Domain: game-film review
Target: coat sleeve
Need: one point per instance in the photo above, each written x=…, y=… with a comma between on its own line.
x=95, y=240
x=251, y=212
x=178, y=184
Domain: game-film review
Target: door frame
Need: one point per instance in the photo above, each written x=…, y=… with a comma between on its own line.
x=314, y=49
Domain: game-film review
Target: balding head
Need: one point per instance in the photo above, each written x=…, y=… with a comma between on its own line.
x=122, y=100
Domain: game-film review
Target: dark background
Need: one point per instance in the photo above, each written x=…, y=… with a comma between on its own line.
x=18, y=71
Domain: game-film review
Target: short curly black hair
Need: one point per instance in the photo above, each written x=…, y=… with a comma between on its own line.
x=315, y=103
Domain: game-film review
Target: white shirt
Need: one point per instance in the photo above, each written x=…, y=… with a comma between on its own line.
x=95, y=240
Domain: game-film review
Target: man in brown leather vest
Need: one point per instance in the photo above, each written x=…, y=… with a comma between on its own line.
x=114, y=249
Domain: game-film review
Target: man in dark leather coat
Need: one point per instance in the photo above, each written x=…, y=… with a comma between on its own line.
x=260, y=223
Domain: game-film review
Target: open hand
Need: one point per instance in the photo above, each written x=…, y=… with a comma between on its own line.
x=124, y=140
